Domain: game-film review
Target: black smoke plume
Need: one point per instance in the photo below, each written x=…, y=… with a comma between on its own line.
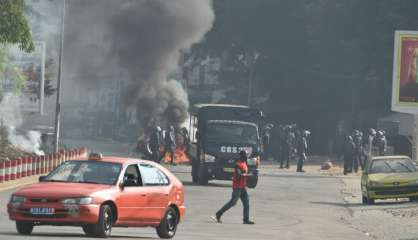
x=145, y=38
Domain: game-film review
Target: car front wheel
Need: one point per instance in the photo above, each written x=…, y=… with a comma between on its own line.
x=88, y=230
x=104, y=227
x=24, y=228
x=168, y=225
x=368, y=201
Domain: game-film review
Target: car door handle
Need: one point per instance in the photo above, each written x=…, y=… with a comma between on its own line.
x=143, y=195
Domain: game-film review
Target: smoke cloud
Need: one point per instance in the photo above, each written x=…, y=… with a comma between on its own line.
x=12, y=118
x=145, y=38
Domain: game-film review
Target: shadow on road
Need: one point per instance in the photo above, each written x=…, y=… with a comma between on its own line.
x=211, y=184
x=69, y=235
x=338, y=204
x=345, y=204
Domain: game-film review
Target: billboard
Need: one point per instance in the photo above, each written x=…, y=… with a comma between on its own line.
x=32, y=66
x=405, y=72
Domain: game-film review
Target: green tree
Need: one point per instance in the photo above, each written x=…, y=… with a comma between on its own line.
x=9, y=72
x=14, y=28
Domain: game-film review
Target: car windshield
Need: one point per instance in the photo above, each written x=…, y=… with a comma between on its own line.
x=401, y=165
x=232, y=133
x=86, y=172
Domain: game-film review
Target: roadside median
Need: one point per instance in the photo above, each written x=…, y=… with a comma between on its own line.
x=26, y=170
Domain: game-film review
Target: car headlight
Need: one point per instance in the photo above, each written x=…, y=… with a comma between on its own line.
x=376, y=184
x=209, y=158
x=77, y=201
x=252, y=161
x=16, y=199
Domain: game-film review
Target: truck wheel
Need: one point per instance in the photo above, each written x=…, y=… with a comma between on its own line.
x=195, y=171
x=104, y=227
x=168, y=225
x=252, y=182
x=24, y=227
x=203, y=175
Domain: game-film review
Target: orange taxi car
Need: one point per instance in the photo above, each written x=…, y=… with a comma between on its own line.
x=100, y=193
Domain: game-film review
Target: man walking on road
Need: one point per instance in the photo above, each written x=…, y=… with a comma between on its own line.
x=239, y=189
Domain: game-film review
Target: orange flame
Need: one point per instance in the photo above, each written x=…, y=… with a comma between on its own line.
x=180, y=155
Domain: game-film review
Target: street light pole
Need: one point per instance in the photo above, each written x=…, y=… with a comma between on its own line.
x=58, y=102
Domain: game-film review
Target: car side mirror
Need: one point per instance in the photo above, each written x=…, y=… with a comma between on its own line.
x=42, y=178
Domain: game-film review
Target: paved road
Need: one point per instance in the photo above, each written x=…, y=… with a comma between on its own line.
x=387, y=219
x=284, y=206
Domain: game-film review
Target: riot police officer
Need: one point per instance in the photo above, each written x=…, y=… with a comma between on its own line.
x=302, y=148
x=155, y=143
x=349, y=150
x=358, y=149
x=381, y=142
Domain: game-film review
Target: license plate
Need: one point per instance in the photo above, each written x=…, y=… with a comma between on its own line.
x=42, y=211
x=229, y=170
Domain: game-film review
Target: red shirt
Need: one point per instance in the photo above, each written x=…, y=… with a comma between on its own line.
x=237, y=180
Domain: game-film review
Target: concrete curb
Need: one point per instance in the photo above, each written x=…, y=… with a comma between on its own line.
x=18, y=183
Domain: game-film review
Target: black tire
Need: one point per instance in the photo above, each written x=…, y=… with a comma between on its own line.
x=88, y=229
x=24, y=227
x=252, y=182
x=195, y=171
x=370, y=201
x=168, y=225
x=364, y=200
x=203, y=175
x=413, y=199
x=104, y=226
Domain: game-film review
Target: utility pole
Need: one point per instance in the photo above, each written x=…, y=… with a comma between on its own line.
x=253, y=61
x=58, y=103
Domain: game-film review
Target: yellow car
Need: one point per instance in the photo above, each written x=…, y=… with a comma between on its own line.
x=389, y=177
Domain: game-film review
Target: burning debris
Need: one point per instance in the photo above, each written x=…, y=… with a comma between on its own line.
x=146, y=39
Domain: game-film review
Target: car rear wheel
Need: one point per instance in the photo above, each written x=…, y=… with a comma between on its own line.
x=168, y=225
x=104, y=227
x=413, y=199
x=24, y=227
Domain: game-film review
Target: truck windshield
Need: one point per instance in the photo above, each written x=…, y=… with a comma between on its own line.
x=232, y=133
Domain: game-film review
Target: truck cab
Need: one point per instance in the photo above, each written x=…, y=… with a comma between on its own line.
x=219, y=133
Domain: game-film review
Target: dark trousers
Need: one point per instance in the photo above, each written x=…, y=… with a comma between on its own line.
x=356, y=162
x=348, y=163
x=237, y=193
x=285, y=159
x=155, y=156
x=301, y=161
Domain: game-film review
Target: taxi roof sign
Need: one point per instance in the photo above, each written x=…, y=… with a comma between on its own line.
x=95, y=156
